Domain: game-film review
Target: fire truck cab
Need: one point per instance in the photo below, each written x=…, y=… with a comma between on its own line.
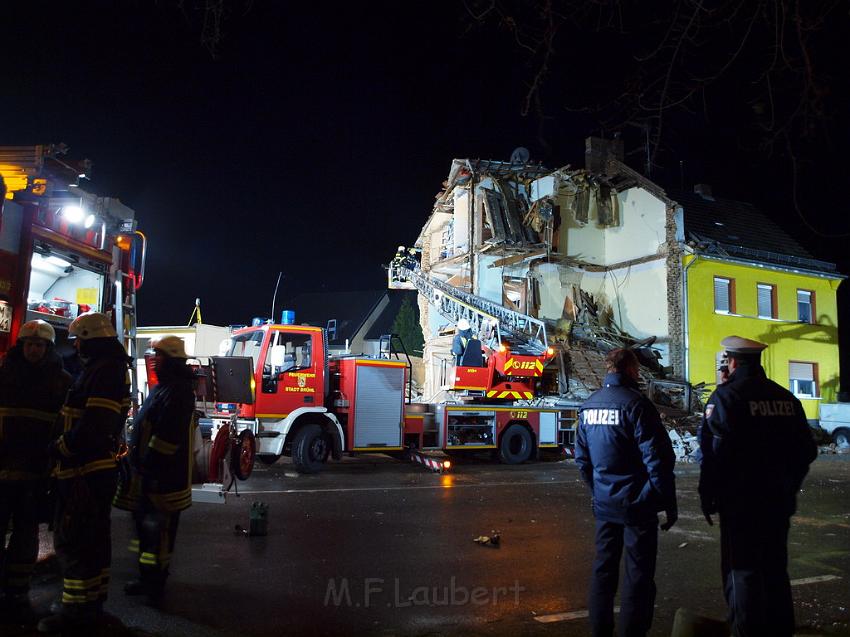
x=312, y=406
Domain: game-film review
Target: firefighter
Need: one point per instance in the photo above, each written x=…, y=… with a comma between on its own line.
x=94, y=415
x=625, y=456
x=397, y=263
x=461, y=339
x=33, y=385
x=158, y=484
x=411, y=262
x=756, y=449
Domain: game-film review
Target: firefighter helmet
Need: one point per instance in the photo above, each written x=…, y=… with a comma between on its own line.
x=171, y=346
x=412, y=251
x=38, y=329
x=91, y=325
x=463, y=324
x=400, y=249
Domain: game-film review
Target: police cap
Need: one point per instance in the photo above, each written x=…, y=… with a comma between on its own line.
x=737, y=345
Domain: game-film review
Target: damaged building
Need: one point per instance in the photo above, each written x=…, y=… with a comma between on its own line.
x=608, y=258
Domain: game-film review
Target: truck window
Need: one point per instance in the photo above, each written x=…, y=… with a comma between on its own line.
x=247, y=345
x=297, y=352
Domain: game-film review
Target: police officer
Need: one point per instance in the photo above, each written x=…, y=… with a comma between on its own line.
x=626, y=458
x=461, y=339
x=159, y=483
x=93, y=417
x=756, y=449
x=32, y=388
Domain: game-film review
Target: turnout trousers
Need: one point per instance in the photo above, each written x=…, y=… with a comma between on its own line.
x=157, y=532
x=83, y=539
x=18, y=507
x=637, y=597
x=754, y=567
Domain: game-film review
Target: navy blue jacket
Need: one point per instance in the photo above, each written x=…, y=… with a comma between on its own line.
x=624, y=454
x=756, y=447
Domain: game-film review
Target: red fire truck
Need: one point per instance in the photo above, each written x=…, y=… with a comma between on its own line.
x=63, y=249
x=312, y=406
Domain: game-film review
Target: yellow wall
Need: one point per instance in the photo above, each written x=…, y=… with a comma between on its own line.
x=787, y=339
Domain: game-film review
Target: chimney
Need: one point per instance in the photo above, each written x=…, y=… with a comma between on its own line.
x=598, y=152
x=704, y=191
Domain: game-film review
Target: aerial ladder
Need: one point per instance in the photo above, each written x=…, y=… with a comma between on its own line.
x=505, y=359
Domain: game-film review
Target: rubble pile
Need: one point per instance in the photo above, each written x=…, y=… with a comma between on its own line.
x=585, y=339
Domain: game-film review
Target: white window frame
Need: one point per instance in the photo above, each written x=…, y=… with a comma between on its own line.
x=729, y=303
x=771, y=289
x=810, y=303
x=794, y=383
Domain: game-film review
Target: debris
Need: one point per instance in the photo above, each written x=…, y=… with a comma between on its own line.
x=238, y=530
x=683, y=545
x=493, y=539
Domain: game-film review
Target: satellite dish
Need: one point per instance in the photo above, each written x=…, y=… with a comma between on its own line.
x=520, y=155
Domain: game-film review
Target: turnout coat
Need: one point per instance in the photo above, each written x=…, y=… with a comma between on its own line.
x=157, y=471
x=30, y=399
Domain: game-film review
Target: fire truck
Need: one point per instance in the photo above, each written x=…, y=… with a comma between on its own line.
x=297, y=400
x=63, y=249
x=311, y=406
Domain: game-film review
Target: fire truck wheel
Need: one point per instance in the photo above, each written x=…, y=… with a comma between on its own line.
x=310, y=449
x=242, y=455
x=217, y=451
x=515, y=446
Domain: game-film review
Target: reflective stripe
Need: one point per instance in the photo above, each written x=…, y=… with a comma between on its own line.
x=10, y=474
x=71, y=412
x=148, y=559
x=35, y=414
x=162, y=446
x=69, y=598
x=104, y=403
x=81, y=584
x=96, y=465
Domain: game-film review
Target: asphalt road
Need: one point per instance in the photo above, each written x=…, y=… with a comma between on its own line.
x=379, y=547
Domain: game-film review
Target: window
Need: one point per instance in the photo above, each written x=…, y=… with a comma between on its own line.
x=724, y=295
x=803, y=379
x=331, y=329
x=248, y=344
x=805, y=306
x=766, y=300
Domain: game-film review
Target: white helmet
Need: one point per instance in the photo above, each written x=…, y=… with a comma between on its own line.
x=463, y=324
x=400, y=249
x=91, y=325
x=38, y=329
x=171, y=346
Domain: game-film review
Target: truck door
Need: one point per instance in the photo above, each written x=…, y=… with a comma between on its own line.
x=290, y=378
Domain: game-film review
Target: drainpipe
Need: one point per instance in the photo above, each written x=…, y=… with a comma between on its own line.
x=685, y=330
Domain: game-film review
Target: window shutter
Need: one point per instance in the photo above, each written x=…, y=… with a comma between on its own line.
x=721, y=294
x=801, y=371
x=765, y=301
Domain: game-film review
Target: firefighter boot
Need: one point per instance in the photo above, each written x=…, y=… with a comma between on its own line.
x=71, y=618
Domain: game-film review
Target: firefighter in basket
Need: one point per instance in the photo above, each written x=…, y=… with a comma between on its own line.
x=155, y=479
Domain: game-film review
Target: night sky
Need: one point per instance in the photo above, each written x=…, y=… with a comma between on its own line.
x=314, y=142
